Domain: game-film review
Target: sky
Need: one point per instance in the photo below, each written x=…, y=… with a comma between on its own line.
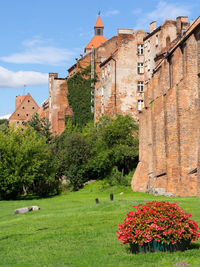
x=42, y=36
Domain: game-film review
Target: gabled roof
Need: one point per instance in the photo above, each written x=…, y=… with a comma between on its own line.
x=98, y=23
x=96, y=41
x=28, y=96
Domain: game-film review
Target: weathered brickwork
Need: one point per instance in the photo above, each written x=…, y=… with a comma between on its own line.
x=25, y=108
x=169, y=124
x=58, y=104
x=159, y=40
x=118, y=92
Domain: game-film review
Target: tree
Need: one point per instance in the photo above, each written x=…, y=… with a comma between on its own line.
x=72, y=152
x=117, y=143
x=3, y=125
x=25, y=164
x=41, y=126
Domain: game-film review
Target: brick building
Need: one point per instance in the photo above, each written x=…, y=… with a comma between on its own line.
x=25, y=108
x=169, y=123
x=121, y=86
x=58, y=106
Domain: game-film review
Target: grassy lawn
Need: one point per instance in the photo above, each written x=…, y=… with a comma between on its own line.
x=72, y=230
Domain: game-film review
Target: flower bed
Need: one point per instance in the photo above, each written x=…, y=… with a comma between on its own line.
x=158, y=226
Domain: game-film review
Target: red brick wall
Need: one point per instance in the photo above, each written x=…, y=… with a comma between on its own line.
x=169, y=126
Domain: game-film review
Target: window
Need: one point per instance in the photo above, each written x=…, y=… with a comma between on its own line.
x=140, y=104
x=28, y=101
x=109, y=68
x=148, y=45
x=27, y=115
x=140, y=87
x=156, y=40
x=17, y=114
x=98, y=32
x=140, y=68
x=168, y=42
x=22, y=107
x=140, y=49
x=33, y=108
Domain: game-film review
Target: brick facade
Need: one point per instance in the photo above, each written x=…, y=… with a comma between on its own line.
x=58, y=103
x=118, y=92
x=25, y=108
x=169, y=124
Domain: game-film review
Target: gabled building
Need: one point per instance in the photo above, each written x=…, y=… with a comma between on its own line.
x=58, y=106
x=25, y=108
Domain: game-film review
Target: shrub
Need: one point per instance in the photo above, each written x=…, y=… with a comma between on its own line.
x=163, y=222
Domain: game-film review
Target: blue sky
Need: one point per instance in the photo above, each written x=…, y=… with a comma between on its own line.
x=40, y=36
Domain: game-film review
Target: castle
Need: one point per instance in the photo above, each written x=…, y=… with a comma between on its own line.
x=153, y=77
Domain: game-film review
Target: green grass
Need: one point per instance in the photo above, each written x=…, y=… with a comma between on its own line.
x=72, y=230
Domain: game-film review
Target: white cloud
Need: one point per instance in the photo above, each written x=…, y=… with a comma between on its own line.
x=37, y=52
x=111, y=12
x=5, y=116
x=163, y=11
x=11, y=79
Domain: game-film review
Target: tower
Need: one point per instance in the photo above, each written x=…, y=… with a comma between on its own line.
x=98, y=38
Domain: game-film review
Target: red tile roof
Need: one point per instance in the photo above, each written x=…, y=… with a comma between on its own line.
x=96, y=41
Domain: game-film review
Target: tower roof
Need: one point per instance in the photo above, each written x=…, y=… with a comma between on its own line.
x=95, y=42
x=98, y=23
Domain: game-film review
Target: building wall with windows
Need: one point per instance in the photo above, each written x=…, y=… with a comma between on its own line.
x=121, y=87
x=25, y=108
x=170, y=122
x=160, y=39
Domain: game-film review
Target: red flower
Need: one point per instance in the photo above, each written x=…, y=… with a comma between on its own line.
x=161, y=221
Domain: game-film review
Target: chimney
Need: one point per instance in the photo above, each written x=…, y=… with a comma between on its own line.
x=55, y=75
x=125, y=31
x=179, y=24
x=152, y=26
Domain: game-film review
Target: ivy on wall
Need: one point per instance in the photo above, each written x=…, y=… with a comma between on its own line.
x=80, y=97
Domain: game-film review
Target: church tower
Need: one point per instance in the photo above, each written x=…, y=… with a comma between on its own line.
x=98, y=38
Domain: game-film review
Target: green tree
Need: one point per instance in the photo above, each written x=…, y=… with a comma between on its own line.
x=41, y=126
x=3, y=125
x=72, y=152
x=117, y=145
x=25, y=164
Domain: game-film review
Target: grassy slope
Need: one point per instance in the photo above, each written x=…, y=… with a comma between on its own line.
x=71, y=230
